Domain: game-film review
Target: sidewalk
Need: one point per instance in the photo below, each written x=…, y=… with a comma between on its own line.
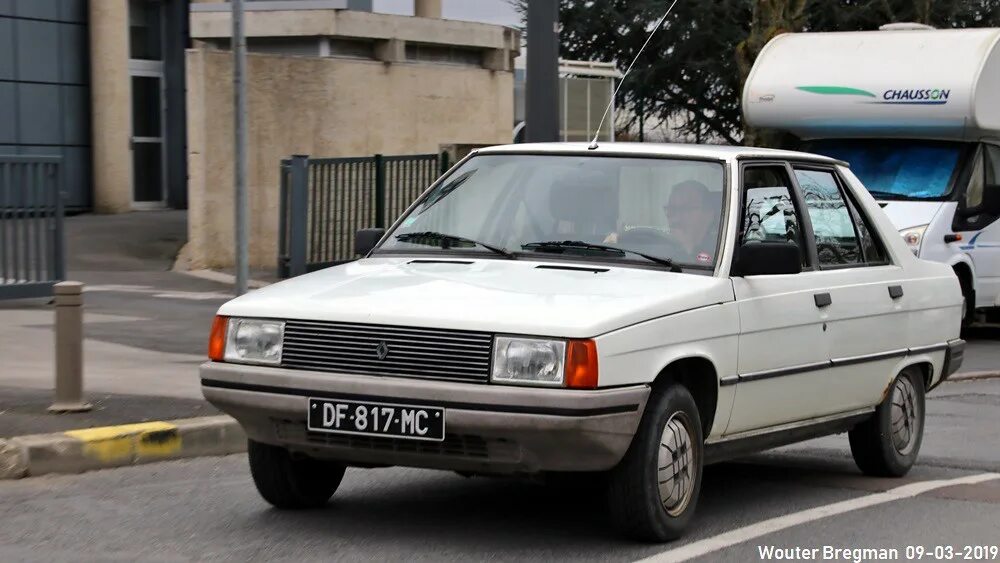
x=145, y=329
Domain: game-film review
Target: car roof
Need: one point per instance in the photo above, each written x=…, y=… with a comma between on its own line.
x=712, y=152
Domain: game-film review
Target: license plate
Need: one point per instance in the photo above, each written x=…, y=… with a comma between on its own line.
x=376, y=419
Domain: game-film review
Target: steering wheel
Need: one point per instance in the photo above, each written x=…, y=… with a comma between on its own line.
x=650, y=237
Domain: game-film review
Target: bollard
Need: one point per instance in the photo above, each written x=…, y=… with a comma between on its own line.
x=69, y=348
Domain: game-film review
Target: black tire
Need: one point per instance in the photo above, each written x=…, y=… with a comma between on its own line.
x=290, y=482
x=879, y=450
x=969, y=304
x=634, y=496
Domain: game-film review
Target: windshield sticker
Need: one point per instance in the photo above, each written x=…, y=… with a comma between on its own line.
x=926, y=97
x=704, y=257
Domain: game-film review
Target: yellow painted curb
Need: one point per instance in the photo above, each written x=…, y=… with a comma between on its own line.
x=76, y=451
x=129, y=441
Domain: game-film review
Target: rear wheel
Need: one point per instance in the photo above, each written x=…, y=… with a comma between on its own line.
x=653, y=492
x=292, y=482
x=887, y=444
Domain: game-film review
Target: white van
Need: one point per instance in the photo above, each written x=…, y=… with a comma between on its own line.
x=916, y=114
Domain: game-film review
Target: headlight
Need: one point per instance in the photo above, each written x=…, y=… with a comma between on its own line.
x=913, y=237
x=528, y=360
x=254, y=341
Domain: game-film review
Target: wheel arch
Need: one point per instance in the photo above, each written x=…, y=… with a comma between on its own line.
x=966, y=273
x=923, y=365
x=700, y=377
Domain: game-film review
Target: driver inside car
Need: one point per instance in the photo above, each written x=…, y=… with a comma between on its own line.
x=691, y=219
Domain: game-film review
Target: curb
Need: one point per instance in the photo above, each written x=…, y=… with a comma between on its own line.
x=974, y=376
x=77, y=451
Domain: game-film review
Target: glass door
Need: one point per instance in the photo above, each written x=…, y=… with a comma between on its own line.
x=148, y=104
x=148, y=187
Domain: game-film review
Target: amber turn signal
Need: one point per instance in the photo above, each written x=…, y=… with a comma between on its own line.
x=581, y=364
x=217, y=339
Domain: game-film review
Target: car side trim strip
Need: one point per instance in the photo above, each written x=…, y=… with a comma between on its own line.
x=517, y=409
x=929, y=349
x=756, y=375
x=836, y=362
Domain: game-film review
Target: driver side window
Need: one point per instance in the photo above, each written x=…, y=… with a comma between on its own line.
x=768, y=210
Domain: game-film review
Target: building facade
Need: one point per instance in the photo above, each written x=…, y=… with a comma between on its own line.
x=136, y=96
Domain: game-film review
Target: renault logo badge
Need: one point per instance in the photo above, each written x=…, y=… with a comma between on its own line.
x=382, y=350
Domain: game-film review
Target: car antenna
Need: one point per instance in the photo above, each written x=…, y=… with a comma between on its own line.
x=593, y=144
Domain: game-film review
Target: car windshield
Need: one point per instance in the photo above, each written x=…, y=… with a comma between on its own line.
x=662, y=212
x=895, y=169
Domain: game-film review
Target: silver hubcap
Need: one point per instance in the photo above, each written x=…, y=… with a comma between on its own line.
x=905, y=416
x=676, y=465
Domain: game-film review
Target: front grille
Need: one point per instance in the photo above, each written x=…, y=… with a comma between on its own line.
x=387, y=350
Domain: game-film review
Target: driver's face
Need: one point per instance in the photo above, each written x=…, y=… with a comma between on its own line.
x=686, y=212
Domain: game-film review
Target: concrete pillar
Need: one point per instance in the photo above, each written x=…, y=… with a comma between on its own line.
x=391, y=51
x=111, y=104
x=427, y=8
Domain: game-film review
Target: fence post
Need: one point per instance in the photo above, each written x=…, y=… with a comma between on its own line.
x=445, y=165
x=379, y=191
x=283, y=219
x=298, y=214
x=69, y=348
x=58, y=248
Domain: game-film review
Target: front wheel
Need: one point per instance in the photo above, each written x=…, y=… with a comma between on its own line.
x=292, y=482
x=887, y=444
x=653, y=492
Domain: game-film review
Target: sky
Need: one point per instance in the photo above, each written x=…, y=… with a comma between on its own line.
x=487, y=11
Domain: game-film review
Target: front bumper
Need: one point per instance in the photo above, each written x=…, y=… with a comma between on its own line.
x=953, y=357
x=490, y=428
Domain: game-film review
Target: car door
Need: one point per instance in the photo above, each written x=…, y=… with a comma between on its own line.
x=979, y=225
x=783, y=359
x=866, y=316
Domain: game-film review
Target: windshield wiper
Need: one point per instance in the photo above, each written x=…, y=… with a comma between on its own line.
x=562, y=246
x=446, y=240
x=885, y=195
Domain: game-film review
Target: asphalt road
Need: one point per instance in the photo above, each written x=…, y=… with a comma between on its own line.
x=207, y=509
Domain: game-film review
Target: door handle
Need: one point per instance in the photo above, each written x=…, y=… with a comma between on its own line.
x=822, y=300
x=895, y=291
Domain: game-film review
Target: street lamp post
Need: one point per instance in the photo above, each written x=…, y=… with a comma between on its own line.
x=239, y=44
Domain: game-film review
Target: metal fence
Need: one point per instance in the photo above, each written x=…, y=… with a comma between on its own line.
x=31, y=226
x=324, y=201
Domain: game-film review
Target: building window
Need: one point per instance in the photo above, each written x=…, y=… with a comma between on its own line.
x=443, y=54
x=145, y=25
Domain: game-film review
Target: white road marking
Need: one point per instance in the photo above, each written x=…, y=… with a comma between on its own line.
x=753, y=531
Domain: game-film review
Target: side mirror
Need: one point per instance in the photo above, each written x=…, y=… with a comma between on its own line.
x=767, y=259
x=366, y=239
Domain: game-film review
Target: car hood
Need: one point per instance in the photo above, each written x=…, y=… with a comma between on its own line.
x=907, y=214
x=505, y=296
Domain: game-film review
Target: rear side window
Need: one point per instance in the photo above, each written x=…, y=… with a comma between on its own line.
x=769, y=212
x=833, y=225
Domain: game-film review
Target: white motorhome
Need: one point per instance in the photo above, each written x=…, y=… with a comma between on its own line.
x=916, y=114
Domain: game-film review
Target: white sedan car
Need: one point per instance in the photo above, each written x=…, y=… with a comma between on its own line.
x=631, y=312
